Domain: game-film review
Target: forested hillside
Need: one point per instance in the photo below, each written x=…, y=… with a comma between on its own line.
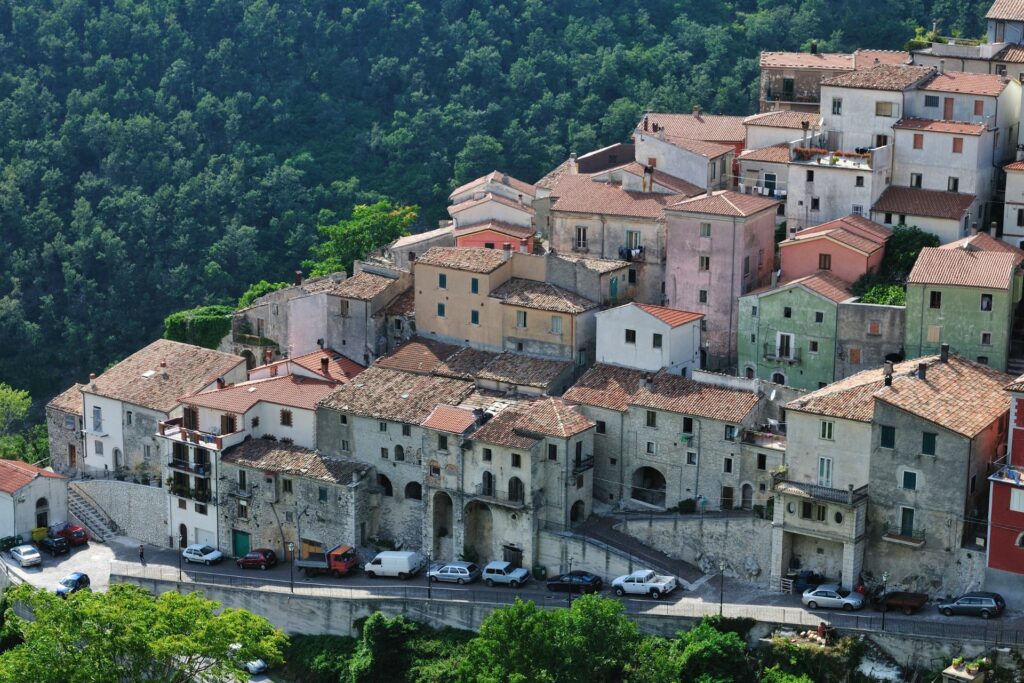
x=158, y=154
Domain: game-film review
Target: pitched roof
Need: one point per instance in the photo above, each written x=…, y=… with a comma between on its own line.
x=982, y=241
x=68, y=401
x=777, y=154
x=696, y=126
x=465, y=363
x=824, y=283
x=284, y=458
x=936, y=126
x=339, y=368
x=863, y=59
x=598, y=265
x=15, y=474
x=552, y=177
x=635, y=168
x=489, y=197
x=517, y=231
x=880, y=77
x=1014, y=166
x=395, y=395
x=1006, y=9
x=450, y=419
x=496, y=177
x=725, y=203
x=615, y=388
x=325, y=284
x=420, y=237
x=295, y=391
x=964, y=268
x=989, y=85
x=850, y=398
x=673, y=317
x=1012, y=53
x=581, y=194
x=914, y=201
x=419, y=354
x=1016, y=385
x=805, y=60
x=710, y=150
x=856, y=232
x=541, y=295
x=404, y=303
x=527, y=371
x=363, y=285
x=783, y=119
x=470, y=259
x=525, y=423
x=139, y=378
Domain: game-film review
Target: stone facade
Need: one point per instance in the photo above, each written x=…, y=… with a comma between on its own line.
x=138, y=511
x=64, y=431
x=870, y=334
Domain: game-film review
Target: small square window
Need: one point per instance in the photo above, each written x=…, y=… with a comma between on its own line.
x=730, y=432
x=343, y=418
x=552, y=452
x=702, y=296
x=517, y=460
x=815, y=204
x=652, y=448
x=406, y=430
x=787, y=312
x=286, y=486
x=488, y=455
x=810, y=176
x=286, y=418
x=859, y=181
x=382, y=426
x=935, y=299
x=958, y=145
x=909, y=481
x=826, y=429
x=928, y=443
x=812, y=346
x=601, y=427
x=631, y=336
x=691, y=458
x=986, y=302
x=705, y=230
x=888, y=437
x=321, y=494
x=442, y=442
x=819, y=317
x=824, y=261
x=727, y=465
x=762, y=461
x=753, y=311
x=656, y=341
x=652, y=418
x=986, y=339
x=384, y=452
x=854, y=354
x=874, y=328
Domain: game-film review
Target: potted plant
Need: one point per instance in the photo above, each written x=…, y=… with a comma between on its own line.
x=958, y=663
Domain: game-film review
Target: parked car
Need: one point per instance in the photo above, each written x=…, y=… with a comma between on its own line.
x=454, y=572
x=26, y=555
x=906, y=602
x=261, y=557
x=72, y=533
x=255, y=666
x=72, y=583
x=202, y=553
x=55, y=545
x=833, y=597
x=504, y=573
x=401, y=563
x=977, y=604
x=807, y=579
x=575, y=582
x=338, y=561
x=644, y=582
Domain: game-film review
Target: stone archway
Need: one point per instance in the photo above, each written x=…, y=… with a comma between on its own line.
x=747, y=497
x=42, y=513
x=250, y=359
x=442, y=529
x=479, y=531
x=577, y=511
x=182, y=536
x=648, y=486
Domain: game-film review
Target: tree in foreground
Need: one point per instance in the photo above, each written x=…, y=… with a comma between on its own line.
x=370, y=227
x=127, y=635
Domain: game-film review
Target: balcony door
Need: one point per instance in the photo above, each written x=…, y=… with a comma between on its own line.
x=907, y=522
x=784, y=347
x=825, y=472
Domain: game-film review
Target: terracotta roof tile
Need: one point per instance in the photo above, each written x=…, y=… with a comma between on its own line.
x=699, y=126
x=964, y=268
x=500, y=178
x=139, y=380
x=865, y=59
x=295, y=391
x=881, y=77
x=325, y=284
x=1015, y=166
x=989, y=85
x=857, y=232
x=527, y=422
x=1006, y=9
x=851, y=398
x=15, y=474
x=363, y=285
x=726, y=203
x=580, y=194
x=395, y=395
x=913, y=201
x=283, y=458
x=805, y=60
x=487, y=198
x=826, y=284
x=552, y=177
x=784, y=119
x=982, y=241
x=68, y=401
x=339, y=368
x=776, y=154
x=409, y=240
x=1012, y=53
x=404, y=303
x=1016, y=385
x=527, y=371
x=466, y=363
x=450, y=419
x=541, y=295
x=673, y=317
x=936, y=126
x=469, y=259
x=634, y=168
x=516, y=231
x=418, y=355
x=598, y=265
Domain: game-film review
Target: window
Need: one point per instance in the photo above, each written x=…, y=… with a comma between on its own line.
x=702, y=296
x=730, y=432
x=652, y=419
x=631, y=276
x=488, y=245
x=837, y=106
x=243, y=509
x=343, y=418
x=812, y=346
x=1020, y=218
x=440, y=310
x=787, y=312
x=825, y=472
x=652, y=448
x=854, y=354
x=809, y=176
x=474, y=286
x=928, y=443
x=934, y=333
x=517, y=460
x=474, y=317
x=382, y=426
x=128, y=417
x=888, y=437
x=633, y=239
x=819, y=316
x=631, y=336
x=958, y=145
x=979, y=107
x=488, y=455
x=601, y=427
x=931, y=100
x=321, y=494
x=753, y=311
x=687, y=425
x=406, y=430
x=986, y=339
x=935, y=300
x=953, y=184
x=442, y=442
x=691, y=457
x=705, y=230
x=69, y=422
x=915, y=180
x=435, y=469
x=727, y=465
x=344, y=444
x=520, y=318
x=887, y=219
x=703, y=324
x=581, y=237
x=656, y=341
x=874, y=328
x=884, y=109
x=784, y=346
x=286, y=486
x=918, y=141
x=97, y=419
x=556, y=324
x=552, y=451
x=815, y=204
x=255, y=422
x=857, y=210
x=909, y=480
x=762, y=461
x=746, y=265
x=286, y=418
x=859, y=181
x=98, y=447
x=986, y=302
x=826, y=429
x=384, y=452
x=1017, y=500
x=806, y=510
x=442, y=281
x=704, y=262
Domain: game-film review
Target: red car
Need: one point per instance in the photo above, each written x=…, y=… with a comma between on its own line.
x=74, y=534
x=261, y=557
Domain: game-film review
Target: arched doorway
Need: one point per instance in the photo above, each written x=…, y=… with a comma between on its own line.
x=182, y=536
x=487, y=484
x=399, y=453
x=747, y=497
x=703, y=359
x=385, y=484
x=444, y=519
x=413, y=491
x=479, y=531
x=649, y=486
x=42, y=513
x=117, y=459
x=516, y=490
x=778, y=378
x=250, y=360
x=577, y=511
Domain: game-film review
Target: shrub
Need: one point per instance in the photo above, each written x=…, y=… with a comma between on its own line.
x=203, y=326
x=888, y=295
x=258, y=289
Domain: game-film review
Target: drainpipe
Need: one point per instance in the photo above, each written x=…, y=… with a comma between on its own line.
x=696, y=481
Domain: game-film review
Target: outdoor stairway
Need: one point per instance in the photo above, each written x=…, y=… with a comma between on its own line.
x=601, y=529
x=88, y=516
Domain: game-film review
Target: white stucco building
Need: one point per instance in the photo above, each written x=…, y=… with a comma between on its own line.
x=650, y=338
x=30, y=497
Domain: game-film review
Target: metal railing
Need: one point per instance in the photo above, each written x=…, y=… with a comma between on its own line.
x=843, y=496
x=774, y=353
x=898, y=532
x=583, y=464
x=631, y=253
x=492, y=494
x=199, y=468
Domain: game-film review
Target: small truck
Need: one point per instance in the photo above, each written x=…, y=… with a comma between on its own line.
x=908, y=603
x=338, y=561
x=644, y=582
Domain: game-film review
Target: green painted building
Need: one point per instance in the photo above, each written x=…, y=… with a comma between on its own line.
x=964, y=296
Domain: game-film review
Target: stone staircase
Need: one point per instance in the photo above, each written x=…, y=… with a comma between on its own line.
x=99, y=525
x=1015, y=366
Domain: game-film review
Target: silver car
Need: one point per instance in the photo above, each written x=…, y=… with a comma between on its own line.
x=832, y=597
x=455, y=572
x=26, y=555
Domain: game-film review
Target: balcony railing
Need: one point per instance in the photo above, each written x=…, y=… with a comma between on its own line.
x=583, y=464
x=198, y=495
x=898, y=534
x=240, y=492
x=774, y=353
x=201, y=469
x=764, y=439
x=174, y=430
x=493, y=495
x=631, y=253
x=580, y=246
x=848, y=496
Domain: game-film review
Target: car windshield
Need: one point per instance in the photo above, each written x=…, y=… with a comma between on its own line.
x=68, y=582
x=843, y=593
x=473, y=568
x=205, y=550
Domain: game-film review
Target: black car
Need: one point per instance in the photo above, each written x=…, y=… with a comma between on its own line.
x=575, y=582
x=977, y=604
x=55, y=545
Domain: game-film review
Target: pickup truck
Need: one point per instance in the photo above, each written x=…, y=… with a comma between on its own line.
x=338, y=561
x=644, y=582
x=908, y=603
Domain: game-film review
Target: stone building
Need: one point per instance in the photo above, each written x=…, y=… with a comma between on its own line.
x=64, y=430
x=278, y=493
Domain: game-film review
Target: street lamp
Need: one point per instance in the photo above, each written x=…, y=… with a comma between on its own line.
x=179, y=565
x=572, y=586
x=885, y=581
x=427, y=575
x=291, y=565
x=721, y=585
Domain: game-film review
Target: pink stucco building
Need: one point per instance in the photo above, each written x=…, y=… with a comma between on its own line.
x=847, y=247
x=494, y=234
x=721, y=245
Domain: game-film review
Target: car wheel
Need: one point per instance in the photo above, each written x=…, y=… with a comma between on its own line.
x=490, y=583
x=656, y=594
x=433, y=579
x=460, y=581
x=948, y=612
x=336, y=574
x=619, y=592
x=908, y=610
x=514, y=583
x=985, y=614
x=403, y=576
x=812, y=605
x=263, y=566
x=370, y=575
x=847, y=607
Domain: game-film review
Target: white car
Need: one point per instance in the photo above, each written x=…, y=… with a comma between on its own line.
x=203, y=554
x=256, y=666
x=832, y=596
x=644, y=582
x=26, y=555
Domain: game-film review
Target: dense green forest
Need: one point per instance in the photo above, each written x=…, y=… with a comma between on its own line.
x=160, y=154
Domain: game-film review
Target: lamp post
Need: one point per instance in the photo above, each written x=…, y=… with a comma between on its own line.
x=721, y=586
x=291, y=565
x=426, y=574
x=572, y=586
x=885, y=581
x=179, y=566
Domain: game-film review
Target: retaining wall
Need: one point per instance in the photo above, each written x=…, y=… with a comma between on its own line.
x=139, y=511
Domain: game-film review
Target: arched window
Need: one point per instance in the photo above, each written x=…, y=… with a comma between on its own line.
x=414, y=491
x=399, y=453
x=487, y=485
x=516, y=490
x=42, y=512
x=750, y=373
x=385, y=484
x=779, y=378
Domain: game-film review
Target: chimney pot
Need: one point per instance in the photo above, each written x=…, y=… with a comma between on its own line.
x=888, y=380
x=974, y=228
x=506, y=249
x=944, y=353
x=942, y=66
x=645, y=122
x=220, y=382
x=922, y=371
x=696, y=110
x=324, y=362
x=298, y=277
x=92, y=376
x=992, y=229
x=887, y=368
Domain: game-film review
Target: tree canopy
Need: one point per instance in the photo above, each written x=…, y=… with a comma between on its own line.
x=371, y=226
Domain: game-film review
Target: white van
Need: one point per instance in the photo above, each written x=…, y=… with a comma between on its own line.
x=400, y=563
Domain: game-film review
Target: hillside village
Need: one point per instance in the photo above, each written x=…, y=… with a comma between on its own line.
x=668, y=324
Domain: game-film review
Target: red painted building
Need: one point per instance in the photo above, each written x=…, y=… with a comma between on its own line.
x=1005, y=543
x=494, y=234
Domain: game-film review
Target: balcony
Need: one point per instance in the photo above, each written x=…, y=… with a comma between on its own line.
x=583, y=464
x=790, y=356
x=849, y=496
x=172, y=429
x=631, y=254
x=237, y=492
x=764, y=439
x=580, y=247
x=504, y=498
x=198, y=495
x=897, y=534
x=201, y=469
x=771, y=191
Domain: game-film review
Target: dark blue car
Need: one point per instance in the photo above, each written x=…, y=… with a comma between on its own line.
x=72, y=583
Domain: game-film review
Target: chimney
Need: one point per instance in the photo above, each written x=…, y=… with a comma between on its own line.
x=942, y=66
x=504, y=178
x=524, y=247
x=221, y=383
x=574, y=167
x=922, y=371
x=324, y=362
x=696, y=110
x=520, y=198
x=992, y=229
x=645, y=123
x=887, y=371
x=877, y=61
x=648, y=380
x=92, y=380
x=814, y=47
x=163, y=369
x=267, y=355
x=507, y=250
x=298, y=277
x=944, y=353
x=806, y=125
x=648, y=184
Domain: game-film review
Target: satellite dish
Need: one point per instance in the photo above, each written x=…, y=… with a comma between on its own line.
x=772, y=396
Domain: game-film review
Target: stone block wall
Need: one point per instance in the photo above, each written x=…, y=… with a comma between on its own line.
x=61, y=438
x=139, y=511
